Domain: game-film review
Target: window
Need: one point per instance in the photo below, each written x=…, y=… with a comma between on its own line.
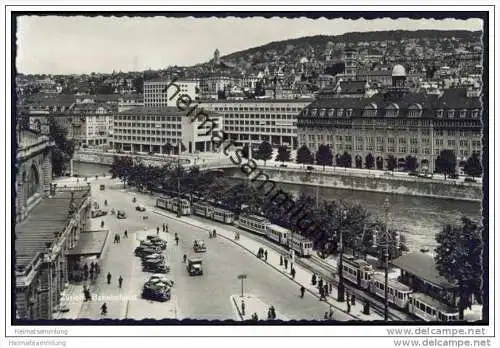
x=391, y=141
x=451, y=142
x=440, y=113
x=475, y=113
x=402, y=141
x=340, y=112
x=451, y=113
x=348, y=112
x=415, y=110
x=463, y=113
x=331, y=112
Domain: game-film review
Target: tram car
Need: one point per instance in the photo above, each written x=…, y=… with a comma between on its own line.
x=203, y=209
x=161, y=202
x=300, y=244
x=357, y=271
x=223, y=215
x=171, y=204
x=430, y=309
x=278, y=234
x=398, y=293
x=253, y=223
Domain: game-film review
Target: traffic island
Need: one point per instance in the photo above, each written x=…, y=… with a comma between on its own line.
x=250, y=307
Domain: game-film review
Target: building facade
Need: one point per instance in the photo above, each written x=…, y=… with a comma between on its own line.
x=150, y=129
x=166, y=92
x=396, y=122
x=254, y=121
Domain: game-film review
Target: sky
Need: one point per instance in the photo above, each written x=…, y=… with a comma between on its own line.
x=76, y=45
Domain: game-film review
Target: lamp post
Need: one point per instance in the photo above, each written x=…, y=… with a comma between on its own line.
x=340, y=288
x=179, y=181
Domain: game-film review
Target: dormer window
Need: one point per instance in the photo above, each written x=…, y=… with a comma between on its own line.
x=440, y=113
x=331, y=112
x=314, y=112
x=322, y=112
x=463, y=113
x=475, y=113
x=392, y=110
x=415, y=110
x=340, y=112
x=348, y=112
x=370, y=110
x=451, y=113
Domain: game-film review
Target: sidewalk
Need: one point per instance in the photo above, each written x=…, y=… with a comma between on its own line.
x=302, y=277
x=253, y=305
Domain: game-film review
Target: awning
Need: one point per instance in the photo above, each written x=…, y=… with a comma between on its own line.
x=91, y=243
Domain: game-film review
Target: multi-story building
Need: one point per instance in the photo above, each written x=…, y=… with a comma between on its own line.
x=150, y=129
x=96, y=124
x=395, y=122
x=46, y=228
x=162, y=92
x=253, y=121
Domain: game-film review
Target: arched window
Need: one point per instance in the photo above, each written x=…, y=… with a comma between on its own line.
x=392, y=110
x=415, y=110
x=370, y=110
x=32, y=182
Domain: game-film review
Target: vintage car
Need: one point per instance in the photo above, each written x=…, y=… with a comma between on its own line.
x=98, y=213
x=152, y=257
x=145, y=250
x=156, y=291
x=140, y=208
x=199, y=246
x=156, y=266
x=121, y=214
x=101, y=187
x=161, y=278
x=194, y=267
x=156, y=241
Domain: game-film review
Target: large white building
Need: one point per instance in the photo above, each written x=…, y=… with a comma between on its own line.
x=160, y=129
x=163, y=92
x=253, y=121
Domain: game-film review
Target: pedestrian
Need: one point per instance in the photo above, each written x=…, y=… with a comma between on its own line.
x=157, y=230
x=214, y=233
x=348, y=307
x=325, y=316
x=330, y=313
x=269, y=314
x=176, y=240
x=302, y=291
x=286, y=263
x=166, y=228
x=163, y=227
x=102, y=224
x=242, y=307
x=353, y=300
x=92, y=266
x=91, y=273
x=321, y=294
x=265, y=255
x=104, y=309
x=86, y=274
x=118, y=238
x=126, y=234
x=254, y=316
x=320, y=283
x=120, y=281
x=348, y=296
x=85, y=267
x=331, y=287
x=97, y=269
x=313, y=280
x=292, y=272
x=281, y=260
x=109, y=278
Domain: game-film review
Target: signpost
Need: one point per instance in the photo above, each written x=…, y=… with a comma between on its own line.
x=242, y=277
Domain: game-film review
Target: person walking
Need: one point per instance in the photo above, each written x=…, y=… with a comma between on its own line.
x=273, y=312
x=163, y=227
x=265, y=255
x=104, y=309
x=320, y=283
x=281, y=260
x=109, y=278
x=313, y=280
x=302, y=291
x=125, y=234
x=157, y=230
x=120, y=282
x=330, y=313
x=176, y=239
x=102, y=223
x=184, y=258
x=166, y=228
x=292, y=272
x=286, y=263
x=118, y=238
x=242, y=307
x=321, y=294
x=326, y=290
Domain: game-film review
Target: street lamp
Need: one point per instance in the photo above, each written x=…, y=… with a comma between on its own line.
x=340, y=288
x=385, y=243
x=179, y=181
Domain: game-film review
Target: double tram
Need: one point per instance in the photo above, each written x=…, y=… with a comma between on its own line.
x=253, y=223
x=172, y=204
x=217, y=214
x=430, y=309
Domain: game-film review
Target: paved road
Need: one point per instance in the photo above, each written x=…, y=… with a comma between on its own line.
x=205, y=297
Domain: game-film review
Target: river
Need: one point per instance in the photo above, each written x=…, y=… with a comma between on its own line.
x=419, y=218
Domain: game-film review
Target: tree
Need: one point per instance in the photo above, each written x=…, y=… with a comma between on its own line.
x=473, y=165
x=391, y=163
x=304, y=155
x=265, y=151
x=283, y=154
x=122, y=167
x=64, y=148
x=458, y=259
x=369, y=161
x=167, y=148
x=324, y=156
x=446, y=162
x=411, y=163
x=244, y=151
x=346, y=159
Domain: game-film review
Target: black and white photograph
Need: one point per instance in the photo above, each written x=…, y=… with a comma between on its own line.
x=320, y=173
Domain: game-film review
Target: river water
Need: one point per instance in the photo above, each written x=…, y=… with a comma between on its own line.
x=419, y=218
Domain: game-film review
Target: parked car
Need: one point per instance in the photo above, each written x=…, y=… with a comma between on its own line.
x=156, y=266
x=152, y=257
x=102, y=187
x=121, y=214
x=156, y=291
x=283, y=166
x=140, y=208
x=143, y=251
x=162, y=279
x=310, y=168
x=413, y=173
x=98, y=213
x=453, y=176
x=469, y=179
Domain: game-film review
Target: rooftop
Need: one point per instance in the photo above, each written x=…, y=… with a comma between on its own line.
x=422, y=266
x=47, y=218
x=162, y=110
